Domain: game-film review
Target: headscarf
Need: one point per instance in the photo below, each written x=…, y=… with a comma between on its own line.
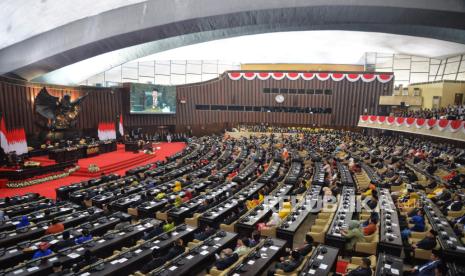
x=353, y=224
x=177, y=201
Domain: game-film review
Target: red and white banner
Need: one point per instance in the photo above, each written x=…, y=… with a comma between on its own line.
x=106, y=131
x=120, y=126
x=3, y=136
x=17, y=141
x=419, y=123
x=13, y=140
x=322, y=76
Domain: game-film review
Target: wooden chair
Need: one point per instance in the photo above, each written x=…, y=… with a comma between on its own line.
x=296, y=271
x=357, y=261
x=370, y=245
x=194, y=221
x=161, y=215
x=228, y=227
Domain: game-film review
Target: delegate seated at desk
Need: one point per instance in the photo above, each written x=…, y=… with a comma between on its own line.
x=64, y=243
x=288, y=264
x=352, y=235
x=427, y=243
x=363, y=270
x=44, y=250
x=55, y=227
x=431, y=268
x=303, y=250
x=85, y=236
x=88, y=259
x=157, y=260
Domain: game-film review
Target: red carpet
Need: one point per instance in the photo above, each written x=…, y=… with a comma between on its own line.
x=109, y=161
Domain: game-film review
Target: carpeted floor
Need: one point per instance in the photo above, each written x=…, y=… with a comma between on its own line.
x=108, y=159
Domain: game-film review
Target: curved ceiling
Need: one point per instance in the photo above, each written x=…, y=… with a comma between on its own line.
x=140, y=28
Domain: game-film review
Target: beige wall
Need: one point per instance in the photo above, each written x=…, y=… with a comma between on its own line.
x=445, y=90
x=300, y=67
x=450, y=89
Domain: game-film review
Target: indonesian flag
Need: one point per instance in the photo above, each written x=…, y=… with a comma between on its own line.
x=121, y=129
x=17, y=141
x=3, y=136
x=106, y=131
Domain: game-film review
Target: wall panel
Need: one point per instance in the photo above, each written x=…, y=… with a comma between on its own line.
x=347, y=101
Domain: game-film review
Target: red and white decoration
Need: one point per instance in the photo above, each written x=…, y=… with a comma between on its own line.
x=12, y=140
x=3, y=136
x=323, y=76
x=106, y=131
x=120, y=125
x=441, y=124
x=17, y=141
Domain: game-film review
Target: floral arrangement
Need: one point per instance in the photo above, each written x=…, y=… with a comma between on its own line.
x=93, y=168
x=41, y=178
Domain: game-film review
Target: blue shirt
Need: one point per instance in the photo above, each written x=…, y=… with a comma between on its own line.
x=40, y=253
x=82, y=239
x=419, y=222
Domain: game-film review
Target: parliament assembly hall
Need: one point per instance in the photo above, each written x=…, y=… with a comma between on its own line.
x=232, y=138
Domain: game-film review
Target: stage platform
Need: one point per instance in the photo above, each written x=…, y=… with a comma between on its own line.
x=114, y=162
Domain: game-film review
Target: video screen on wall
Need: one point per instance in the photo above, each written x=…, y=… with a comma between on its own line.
x=152, y=99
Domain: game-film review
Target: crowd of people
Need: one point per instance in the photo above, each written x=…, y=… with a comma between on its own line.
x=390, y=156
x=451, y=112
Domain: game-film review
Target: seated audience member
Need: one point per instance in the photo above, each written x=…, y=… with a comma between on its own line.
x=363, y=270
x=169, y=225
x=178, y=201
x=327, y=195
x=3, y=217
x=431, y=268
x=288, y=264
x=459, y=181
x=274, y=220
x=455, y=204
x=157, y=230
x=175, y=250
x=242, y=247
x=87, y=260
x=57, y=268
x=64, y=243
x=418, y=221
x=24, y=222
x=44, y=250
x=300, y=189
x=373, y=201
x=205, y=233
x=352, y=235
x=255, y=238
x=55, y=227
x=427, y=243
x=204, y=206
x=85, y=236
x=374, y=216
x=304, y=249
x=226, y=259
x=371, y=227
x=368, y=191
x=187, y=195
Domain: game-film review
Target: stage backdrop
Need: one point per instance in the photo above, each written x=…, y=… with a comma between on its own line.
x=308, y=99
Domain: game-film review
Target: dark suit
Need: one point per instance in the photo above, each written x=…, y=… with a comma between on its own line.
x=62, y=244
x=360, y=271
x=427, y=243
x=223, y=263
x=304, y=250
